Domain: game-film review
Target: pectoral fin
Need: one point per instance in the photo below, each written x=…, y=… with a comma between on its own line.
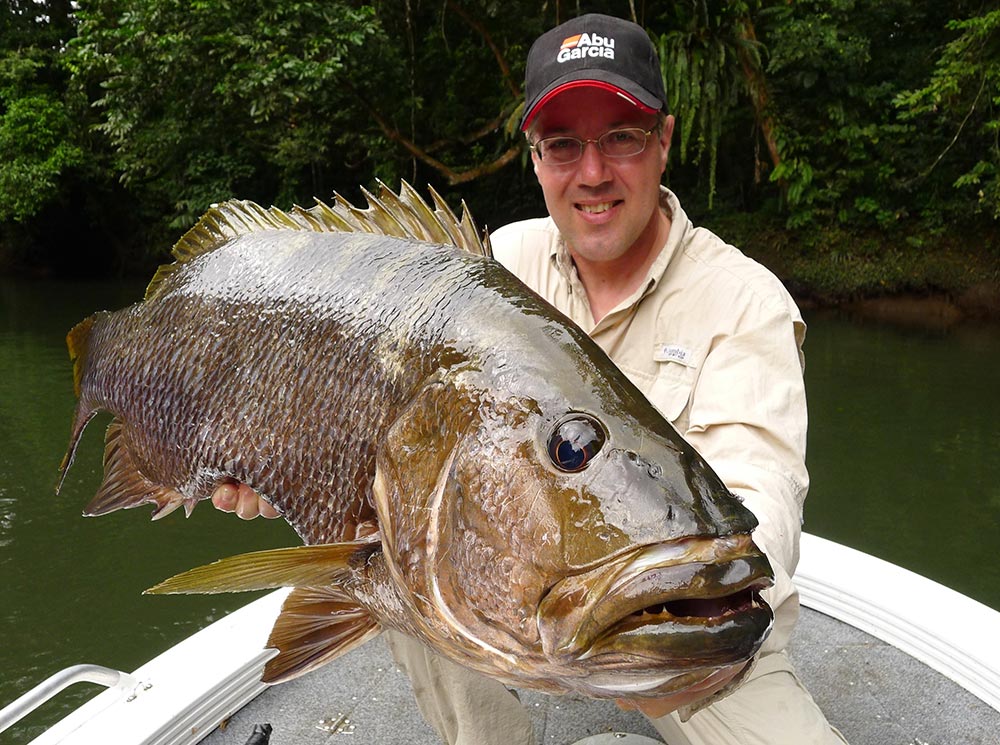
x=316, y=625
x=300, y=566
x=318, y=621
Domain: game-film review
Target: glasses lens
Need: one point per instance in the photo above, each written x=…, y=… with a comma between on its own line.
x=620, y=143
x=560, y=149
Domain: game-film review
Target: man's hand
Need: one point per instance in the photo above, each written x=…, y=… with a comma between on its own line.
x=242, y=500
x=654, y=708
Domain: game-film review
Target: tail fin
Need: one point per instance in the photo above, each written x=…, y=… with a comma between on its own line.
x=78, y=343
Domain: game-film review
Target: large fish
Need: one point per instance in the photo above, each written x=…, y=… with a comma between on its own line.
x=464, y=463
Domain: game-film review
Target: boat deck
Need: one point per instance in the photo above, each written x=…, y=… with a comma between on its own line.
x=874, y=693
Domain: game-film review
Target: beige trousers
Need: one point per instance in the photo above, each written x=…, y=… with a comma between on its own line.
x=771, y=707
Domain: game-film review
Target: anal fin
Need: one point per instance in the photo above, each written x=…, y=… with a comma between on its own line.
x=315, y=626
x=124, y=485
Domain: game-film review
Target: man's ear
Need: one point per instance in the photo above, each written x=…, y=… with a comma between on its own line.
x=666, y=133
x=535, y=160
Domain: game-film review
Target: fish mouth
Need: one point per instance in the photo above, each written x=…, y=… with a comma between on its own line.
x=684, y=605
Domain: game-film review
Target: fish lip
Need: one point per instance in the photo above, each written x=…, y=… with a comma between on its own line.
x=703, y=592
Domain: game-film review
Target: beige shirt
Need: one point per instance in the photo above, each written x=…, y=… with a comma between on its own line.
x=715, y=342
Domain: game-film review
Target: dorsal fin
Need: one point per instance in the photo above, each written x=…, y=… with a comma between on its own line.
x=403, y=215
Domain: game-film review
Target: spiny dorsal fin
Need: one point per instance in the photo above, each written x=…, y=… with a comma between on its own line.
x=316, y=625
x=406, y=215
x=299, y=566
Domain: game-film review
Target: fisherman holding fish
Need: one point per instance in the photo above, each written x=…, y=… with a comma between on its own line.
x=709, y=336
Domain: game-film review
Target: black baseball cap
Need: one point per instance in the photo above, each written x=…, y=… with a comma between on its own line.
x=593, y=50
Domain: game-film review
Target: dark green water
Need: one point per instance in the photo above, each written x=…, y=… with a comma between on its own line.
x=904, y=453
x=904, y=447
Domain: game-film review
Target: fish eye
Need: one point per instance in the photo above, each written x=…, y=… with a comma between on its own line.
x=575, y=441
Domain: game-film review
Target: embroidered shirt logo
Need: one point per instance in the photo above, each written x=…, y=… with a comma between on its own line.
x=586, y=45
x=673, y=353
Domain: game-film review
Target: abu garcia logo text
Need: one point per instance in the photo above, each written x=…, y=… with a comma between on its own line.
x=586, y=45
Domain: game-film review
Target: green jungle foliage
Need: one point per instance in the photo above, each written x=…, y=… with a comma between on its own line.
x=815, y=129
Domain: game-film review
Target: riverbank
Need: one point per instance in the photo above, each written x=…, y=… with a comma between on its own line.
x=930, y=280
x=924, y=279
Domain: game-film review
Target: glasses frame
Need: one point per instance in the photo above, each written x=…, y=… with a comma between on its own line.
x=534, y=146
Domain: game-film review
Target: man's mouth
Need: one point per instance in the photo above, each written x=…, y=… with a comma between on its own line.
x=596, y=209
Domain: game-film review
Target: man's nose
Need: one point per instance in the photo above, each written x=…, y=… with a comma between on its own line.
x=593, y=163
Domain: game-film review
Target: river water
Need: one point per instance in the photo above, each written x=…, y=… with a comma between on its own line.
x=904, y=453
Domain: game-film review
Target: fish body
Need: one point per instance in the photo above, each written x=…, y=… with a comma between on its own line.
x=462, y=462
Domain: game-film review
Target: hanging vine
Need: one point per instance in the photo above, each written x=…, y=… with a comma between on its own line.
x=708, y=60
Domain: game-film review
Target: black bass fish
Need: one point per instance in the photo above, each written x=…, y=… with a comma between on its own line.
x=464, y=464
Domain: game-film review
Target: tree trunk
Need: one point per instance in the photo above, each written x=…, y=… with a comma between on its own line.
x=757, y=86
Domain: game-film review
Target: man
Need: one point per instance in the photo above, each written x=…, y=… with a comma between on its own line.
x=711, y=338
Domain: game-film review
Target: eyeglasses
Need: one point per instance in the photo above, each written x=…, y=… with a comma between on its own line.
x=562, y=150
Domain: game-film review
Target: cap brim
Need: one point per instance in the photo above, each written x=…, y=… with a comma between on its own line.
x=637, y=96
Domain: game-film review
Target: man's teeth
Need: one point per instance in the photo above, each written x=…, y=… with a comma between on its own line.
x=595, y=209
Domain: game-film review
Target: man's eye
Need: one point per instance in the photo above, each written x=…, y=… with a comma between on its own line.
x=560, y=143
x=622, y=137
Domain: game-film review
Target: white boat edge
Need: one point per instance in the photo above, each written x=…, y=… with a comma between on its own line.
x=949, y=632
x=180, y=696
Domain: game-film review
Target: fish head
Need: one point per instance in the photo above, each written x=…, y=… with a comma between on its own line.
x=558, y=542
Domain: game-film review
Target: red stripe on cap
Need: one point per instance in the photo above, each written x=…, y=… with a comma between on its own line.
x=585, y=84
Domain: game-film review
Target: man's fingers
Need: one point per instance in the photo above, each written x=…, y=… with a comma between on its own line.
x=247, y=503
x=242, y=500
x=225, y=498
x=266, y=510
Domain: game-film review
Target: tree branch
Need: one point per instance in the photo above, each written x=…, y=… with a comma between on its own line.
x=968, y=115
x=453, y=176
x=423, y=154
x=490, y=126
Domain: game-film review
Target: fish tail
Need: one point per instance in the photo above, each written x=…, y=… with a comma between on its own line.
x=78, y=343
x=83, y=416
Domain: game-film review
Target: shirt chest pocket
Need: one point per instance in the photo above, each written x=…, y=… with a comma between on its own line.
x=668, y=387
x=671, y=391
